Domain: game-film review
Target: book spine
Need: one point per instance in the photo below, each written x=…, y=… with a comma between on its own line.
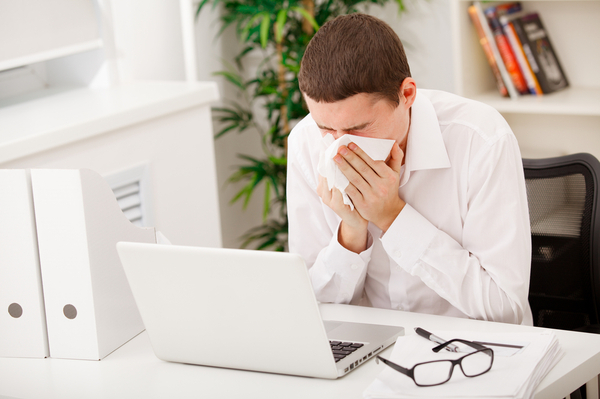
x=489, y=54
x=510, y=87
x=528, y=74
x=506, y=52
x=549, y=72
x=508, y=8
x=527, y=50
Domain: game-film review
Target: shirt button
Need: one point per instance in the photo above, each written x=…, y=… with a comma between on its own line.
x=398, y=254
x=398, y=307
x=354, y=266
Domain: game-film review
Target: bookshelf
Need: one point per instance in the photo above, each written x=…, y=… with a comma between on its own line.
x=559, y=123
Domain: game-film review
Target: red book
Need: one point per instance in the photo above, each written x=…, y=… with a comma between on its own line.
x=510, y=61
x=489, y=54
x=518, y=50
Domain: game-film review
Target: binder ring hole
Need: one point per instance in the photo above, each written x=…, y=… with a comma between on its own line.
x=70, y=312
x=15, y=310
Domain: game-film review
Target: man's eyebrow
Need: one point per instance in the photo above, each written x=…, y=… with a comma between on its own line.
x=356, y=127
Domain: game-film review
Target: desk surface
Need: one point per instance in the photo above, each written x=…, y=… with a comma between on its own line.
x=133, y=371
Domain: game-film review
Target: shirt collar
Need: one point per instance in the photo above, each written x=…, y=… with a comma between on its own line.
x=425, y=148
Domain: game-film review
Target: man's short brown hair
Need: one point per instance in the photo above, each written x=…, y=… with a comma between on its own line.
x=353, y=54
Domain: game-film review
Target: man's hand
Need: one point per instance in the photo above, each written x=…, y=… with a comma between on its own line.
x=353, y=229
x=373, y=185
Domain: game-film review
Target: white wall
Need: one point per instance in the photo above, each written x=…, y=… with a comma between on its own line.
x=212, y=52
x=156, y=24
x=425, y=32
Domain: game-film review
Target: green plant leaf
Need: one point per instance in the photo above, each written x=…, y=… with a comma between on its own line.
x=265, y=24
x=246, y=192
x=279, y=161
x=225, y=130
x=200, y=6
x=308, y=17
x=241, y=55
x=267, y=200
x=401, y=6
x=280, y=24
x=244, y=34
x=275, y=180
x=232, y=78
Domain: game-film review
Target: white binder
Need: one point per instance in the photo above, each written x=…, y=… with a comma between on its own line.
x=90, y=310
x=22, y=319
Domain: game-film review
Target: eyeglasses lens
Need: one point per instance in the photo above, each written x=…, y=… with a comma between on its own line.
x=476, y=363
x=432, y=373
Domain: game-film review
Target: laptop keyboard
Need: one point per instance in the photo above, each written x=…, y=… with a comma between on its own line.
x=342, y=349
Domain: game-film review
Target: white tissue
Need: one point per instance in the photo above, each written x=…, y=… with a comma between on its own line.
x=377, y=149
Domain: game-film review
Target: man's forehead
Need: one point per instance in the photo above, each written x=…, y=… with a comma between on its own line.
x=348, y=114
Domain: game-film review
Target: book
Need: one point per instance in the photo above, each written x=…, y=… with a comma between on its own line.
x=489, y=54
x=508, y=8
x=505, y=50
x=515, y=43
x=540, y=53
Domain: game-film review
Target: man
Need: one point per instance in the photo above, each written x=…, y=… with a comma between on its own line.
x=442, y=226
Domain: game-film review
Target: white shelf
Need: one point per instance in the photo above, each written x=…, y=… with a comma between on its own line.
x=573, y=29
x=57, y=117
x=584, y=101
x=553, y=124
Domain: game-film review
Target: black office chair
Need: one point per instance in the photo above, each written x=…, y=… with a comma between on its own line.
x=563, y=195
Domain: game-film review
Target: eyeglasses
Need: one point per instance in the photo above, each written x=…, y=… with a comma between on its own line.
x=438, y=372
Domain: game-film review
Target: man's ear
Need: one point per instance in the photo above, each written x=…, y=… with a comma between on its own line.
x=408, y=92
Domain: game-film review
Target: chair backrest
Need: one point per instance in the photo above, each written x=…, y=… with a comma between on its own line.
x=563, y=197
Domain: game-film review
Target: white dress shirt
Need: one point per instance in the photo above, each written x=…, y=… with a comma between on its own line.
x=460, y=247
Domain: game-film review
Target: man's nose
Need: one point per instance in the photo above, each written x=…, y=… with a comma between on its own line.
x=337, y=134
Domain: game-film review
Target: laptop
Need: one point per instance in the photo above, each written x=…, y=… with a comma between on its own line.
x=242, y=309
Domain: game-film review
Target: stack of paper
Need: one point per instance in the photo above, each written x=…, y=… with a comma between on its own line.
x=513, y=374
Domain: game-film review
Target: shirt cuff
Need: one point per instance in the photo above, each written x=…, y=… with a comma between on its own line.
x=408, y=237
x=347, y=267
x=340, y=259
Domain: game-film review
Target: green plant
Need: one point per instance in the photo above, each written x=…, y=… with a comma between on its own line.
x=280, y=30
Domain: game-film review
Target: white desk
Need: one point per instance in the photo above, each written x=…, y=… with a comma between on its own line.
x=133, y=371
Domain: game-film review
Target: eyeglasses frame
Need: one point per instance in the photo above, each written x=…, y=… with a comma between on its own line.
x=410, y=372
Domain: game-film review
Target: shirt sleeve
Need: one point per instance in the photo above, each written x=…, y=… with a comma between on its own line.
x=486, y=275
x=337, y=274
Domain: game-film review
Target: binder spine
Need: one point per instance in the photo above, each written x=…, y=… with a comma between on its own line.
x=22, y=316
x=90, y=309
x=64, y=262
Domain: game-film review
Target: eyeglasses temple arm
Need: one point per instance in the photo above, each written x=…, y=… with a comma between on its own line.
x=395, y=366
